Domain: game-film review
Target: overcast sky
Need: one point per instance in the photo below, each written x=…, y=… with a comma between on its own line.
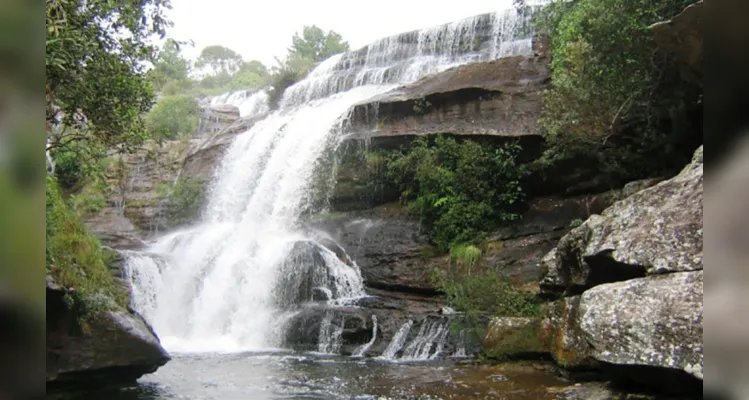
x=262, y=29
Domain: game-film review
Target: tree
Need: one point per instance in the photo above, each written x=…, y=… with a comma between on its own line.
x=251, y=75
x=220, y=60
x=170, y=66
x=613, y=91
x=173, y=116
x=316, y=45
x=95, y=72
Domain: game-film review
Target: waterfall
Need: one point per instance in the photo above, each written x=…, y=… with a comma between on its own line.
x=249, y=103
x=224, y=283
x=399, y=339
x=330, y=339
x=426, y=345
x=360, y=352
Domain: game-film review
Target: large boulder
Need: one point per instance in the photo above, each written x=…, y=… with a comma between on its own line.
x=654, y=321
x=656, y=230
x=110, y=348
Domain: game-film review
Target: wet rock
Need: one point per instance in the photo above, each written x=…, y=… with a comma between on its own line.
x=499, y=98
x=204, y=155
x=564, y=338
x=304, y=276
x=654, y=321
x=656, y=230
x=213, y=118
x=114, y=348
x=387, y=248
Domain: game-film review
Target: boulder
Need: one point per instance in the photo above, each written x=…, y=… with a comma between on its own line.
x=509, y=337
x=656, y=230
x=654, y=321
x=563, y=337
x=111, y=348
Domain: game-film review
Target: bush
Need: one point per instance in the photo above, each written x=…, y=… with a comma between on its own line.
x=613, y=91
x=172, y=117
x=184, y=201
x=76, y=260
x=460, y=190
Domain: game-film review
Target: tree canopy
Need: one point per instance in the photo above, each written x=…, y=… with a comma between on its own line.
x=96, y=76
x=312, y=43
x=170, y=66
x=219, y=60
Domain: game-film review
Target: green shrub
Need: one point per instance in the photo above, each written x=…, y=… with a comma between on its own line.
x=76, y=260
x=184, y=201
x=68, y=168
x=465, y=254
x=172, y=117
x=613, y=92
x=460, y=190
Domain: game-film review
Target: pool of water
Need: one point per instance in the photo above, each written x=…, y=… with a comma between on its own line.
x=310, y=376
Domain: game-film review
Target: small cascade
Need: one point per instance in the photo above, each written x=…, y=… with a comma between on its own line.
x=330, y=338
x=360, y=352
x=399, y=339
x=428, y=343
x=249, y=103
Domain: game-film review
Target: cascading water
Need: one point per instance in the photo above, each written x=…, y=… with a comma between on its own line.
x=426, y=345
x=249, y=103
x=228, y=282
x=360, y=352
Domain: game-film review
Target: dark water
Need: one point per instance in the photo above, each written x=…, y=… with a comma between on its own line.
x=295, y=376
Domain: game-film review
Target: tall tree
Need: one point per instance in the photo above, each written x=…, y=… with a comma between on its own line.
x=316, y=45
x=95, y=72
x=170, y=65
x=219, y=60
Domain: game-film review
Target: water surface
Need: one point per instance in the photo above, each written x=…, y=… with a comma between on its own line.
x=308, y=376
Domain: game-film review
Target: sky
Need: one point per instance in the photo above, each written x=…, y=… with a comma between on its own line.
x=260, y=30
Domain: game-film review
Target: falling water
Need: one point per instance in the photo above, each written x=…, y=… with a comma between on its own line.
x=249, y=103
x=360, y=352
x=431, y=336
x=399, y=339
x=215, y=286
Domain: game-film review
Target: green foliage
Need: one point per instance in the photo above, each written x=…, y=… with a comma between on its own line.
x=219, y=59
x=76, y=260
x=184, y=201
x=172, y=117
x=170, y=69
x=308, y=48
x=316, y=45
x=485, y=293
x=95, y=53
x=465, y=254
x=612, y=88
x=460, y=190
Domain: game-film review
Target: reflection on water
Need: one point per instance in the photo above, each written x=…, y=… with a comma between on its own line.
x=295, y=376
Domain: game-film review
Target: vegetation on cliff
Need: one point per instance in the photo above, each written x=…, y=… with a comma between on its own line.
x=460, y=189
x=76, y=260
x=615, y=96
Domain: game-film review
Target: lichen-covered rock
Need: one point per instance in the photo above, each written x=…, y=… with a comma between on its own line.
x=656, y=230
x=113, y=348
x=653, y=321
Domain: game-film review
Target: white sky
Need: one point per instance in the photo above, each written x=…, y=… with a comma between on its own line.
x=263, y=29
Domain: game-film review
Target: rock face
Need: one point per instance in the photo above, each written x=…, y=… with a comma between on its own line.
x=214, y=118
x=634, y=277
x=500, y=97
x=115, y=348
x=656, y=230
x=514, y=337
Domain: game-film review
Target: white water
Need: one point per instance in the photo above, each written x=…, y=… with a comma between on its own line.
x=330, y=339
x=249, y=103
x=428, y=343
x=399, y=339
x=360, y=352
x=215, y=286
